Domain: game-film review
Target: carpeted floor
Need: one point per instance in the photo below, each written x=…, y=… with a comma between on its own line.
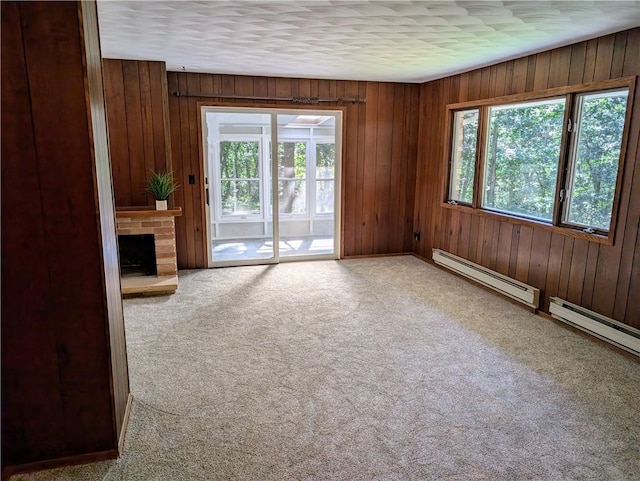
x=372, y=369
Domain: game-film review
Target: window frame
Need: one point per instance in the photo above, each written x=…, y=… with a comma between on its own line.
x=452, y=137
x=574, y=140
x=570, y=94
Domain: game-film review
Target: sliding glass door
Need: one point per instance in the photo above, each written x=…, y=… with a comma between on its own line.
x=261, y=211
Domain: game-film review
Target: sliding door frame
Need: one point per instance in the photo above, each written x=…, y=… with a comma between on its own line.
x=273, y=110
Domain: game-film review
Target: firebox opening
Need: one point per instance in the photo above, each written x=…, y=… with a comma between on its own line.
x=137, y=255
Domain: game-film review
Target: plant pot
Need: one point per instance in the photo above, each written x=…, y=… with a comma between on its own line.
x=161, y=205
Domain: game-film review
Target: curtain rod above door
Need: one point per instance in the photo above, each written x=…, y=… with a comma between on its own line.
x=295, y=100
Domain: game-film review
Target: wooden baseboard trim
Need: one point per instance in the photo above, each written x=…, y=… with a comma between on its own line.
x=422, y=258
x=125, y=423
x=59, y=462
x=368, y=256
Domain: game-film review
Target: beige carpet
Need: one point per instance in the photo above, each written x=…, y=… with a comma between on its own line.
x=372, y=369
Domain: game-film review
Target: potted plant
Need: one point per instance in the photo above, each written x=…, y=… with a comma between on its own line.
x=161, y=185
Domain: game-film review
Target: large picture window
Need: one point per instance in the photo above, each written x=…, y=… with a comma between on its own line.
x=523, y=150
x=551, y=159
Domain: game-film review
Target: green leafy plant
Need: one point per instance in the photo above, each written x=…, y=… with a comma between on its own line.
x=161, y=185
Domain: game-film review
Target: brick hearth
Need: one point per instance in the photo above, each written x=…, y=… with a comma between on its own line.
x=160, y=223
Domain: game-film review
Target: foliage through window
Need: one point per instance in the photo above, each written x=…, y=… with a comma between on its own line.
x=239, y=177
x=292, y=171
x=555, y=160
x=465, y=137
x=594, y=166
x=523, y=149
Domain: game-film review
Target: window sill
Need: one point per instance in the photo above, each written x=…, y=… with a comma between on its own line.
x=601, y=239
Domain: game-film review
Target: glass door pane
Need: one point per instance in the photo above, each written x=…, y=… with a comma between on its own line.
x=306, y=178
x=239, y=173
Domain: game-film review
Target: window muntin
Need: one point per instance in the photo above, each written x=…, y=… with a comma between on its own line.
x=463, y=159
x=522, y=155
x=595, y=158
x=239, y=177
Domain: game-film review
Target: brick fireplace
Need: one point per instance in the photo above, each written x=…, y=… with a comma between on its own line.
x=160, y=224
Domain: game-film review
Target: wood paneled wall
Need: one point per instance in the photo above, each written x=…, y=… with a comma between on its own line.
x=378, y=162
x=138, y=115
x=60, y=312
x=597, y=276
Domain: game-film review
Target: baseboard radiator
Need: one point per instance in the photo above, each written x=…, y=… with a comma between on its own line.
x=607, y=329
x=519, y=291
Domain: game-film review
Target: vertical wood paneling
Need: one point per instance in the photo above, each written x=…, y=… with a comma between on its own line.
x=559, y=67
x=369, y=176
x=118, y=135
x=138, y=120
x=519, y=76
x=590, y=60
x=576, y=274
x=513, y=258
x=176, y=159
x=137, y=164
x=504, y=247
x=60, y=282
x=359, y=180
x=465, y=232
x=633, y=300
x=349, y=164
x=601, y=277
x=576, y=69
x=383, y=149
x=23, y=238
x=524, y=253
x=412, y=124
x=541, y=72
x=565, y=268
x=604, y=57
x=626, y=295
x=617, y=62
x=539, y=260
x=531, y=71
x=395, y=204
x=103, y=187
x=552, y=282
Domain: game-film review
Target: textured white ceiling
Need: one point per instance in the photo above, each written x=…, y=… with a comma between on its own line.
x=392, y=40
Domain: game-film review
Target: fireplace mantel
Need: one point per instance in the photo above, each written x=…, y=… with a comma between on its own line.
x=137, y=212
x=160, y=223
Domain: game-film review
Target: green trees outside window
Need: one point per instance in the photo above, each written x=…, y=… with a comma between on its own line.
x=596, y=153
x=540, y=161
x=292, y=182
x=465, y=139
x=240, y=177
x=523, y=150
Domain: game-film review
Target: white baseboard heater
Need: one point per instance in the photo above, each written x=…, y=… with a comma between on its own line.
x=505, y=285
x=614, y=332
